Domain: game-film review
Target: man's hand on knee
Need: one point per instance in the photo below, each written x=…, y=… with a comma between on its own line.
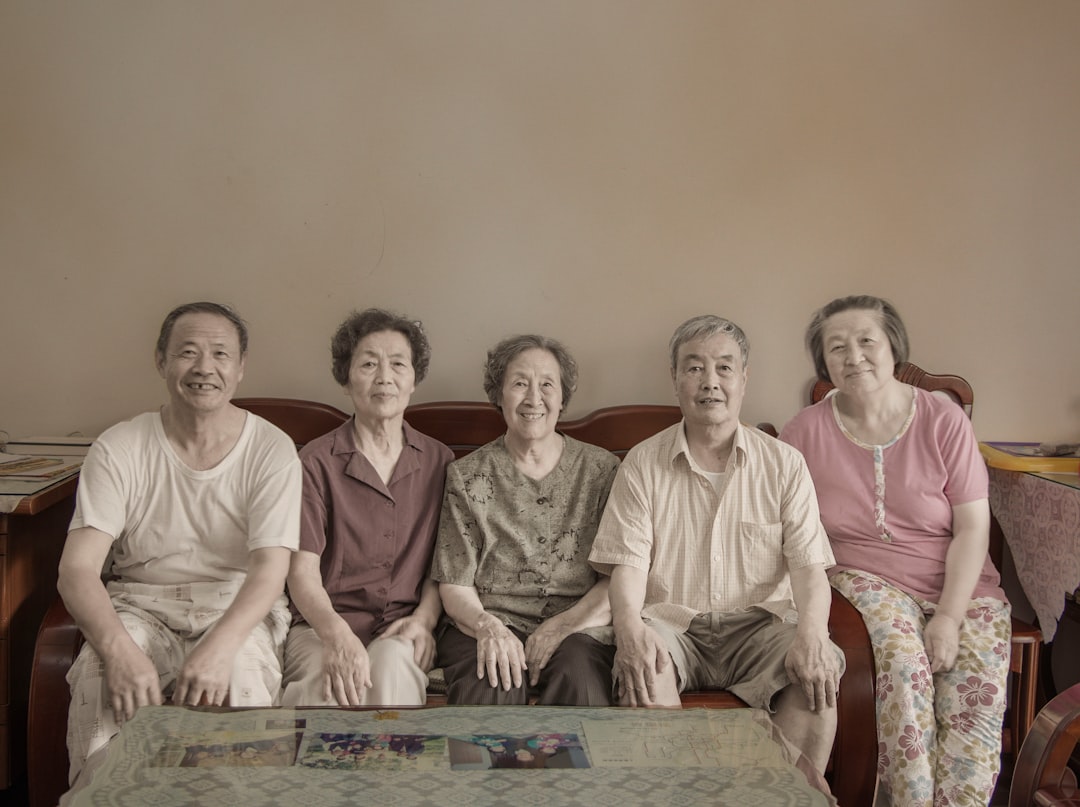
x=131, y=681
x=812, y=664
x=204, y=679
x=640, y=658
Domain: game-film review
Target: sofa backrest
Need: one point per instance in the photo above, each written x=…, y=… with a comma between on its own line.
x=466, y=425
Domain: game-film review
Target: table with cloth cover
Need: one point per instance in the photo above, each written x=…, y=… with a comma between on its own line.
x=1039, y=514
x=634, y=757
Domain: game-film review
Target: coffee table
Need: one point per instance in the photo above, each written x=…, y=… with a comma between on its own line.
x=449, y=755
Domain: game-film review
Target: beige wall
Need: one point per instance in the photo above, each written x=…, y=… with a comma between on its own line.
x=597, y=171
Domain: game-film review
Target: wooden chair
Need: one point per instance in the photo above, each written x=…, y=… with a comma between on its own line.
x=1026, y=638
x=464, y=426
x=1042, y=775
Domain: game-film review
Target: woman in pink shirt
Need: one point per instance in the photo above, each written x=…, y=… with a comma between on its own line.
x=903, y=496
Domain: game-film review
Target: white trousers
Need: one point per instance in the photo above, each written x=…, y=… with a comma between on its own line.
x=396, y=679
x=166, y=623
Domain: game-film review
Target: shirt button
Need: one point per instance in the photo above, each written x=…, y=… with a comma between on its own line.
x=542, y=500
x=716, y=558
x=716, y=596
x=542, y=539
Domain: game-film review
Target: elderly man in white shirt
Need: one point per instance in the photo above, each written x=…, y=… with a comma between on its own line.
x=196, y=508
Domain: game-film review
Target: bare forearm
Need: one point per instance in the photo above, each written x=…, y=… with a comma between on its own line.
x=429, y=609
x=963, y=565
x=311, y=599
x=265, y=582
x=813, y=598
x=462, y=604
x=965, y=557
x=591, y=611
x=84, y=595
x=626, y=594
x=92, y=609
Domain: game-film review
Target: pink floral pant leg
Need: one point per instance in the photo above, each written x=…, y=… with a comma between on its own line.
x=939, y=735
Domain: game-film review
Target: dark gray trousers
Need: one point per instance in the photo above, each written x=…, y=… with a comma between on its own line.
x=577, y=674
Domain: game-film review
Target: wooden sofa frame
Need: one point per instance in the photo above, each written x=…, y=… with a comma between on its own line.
x=1042, y=774
x=464, y=426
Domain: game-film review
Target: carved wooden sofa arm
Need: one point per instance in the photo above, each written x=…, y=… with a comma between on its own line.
x=1041, y=775
x=58, y=643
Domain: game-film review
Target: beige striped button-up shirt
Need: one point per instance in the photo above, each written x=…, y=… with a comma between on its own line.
x=708, y=550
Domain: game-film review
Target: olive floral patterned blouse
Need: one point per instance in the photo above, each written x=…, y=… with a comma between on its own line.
x=523, y=543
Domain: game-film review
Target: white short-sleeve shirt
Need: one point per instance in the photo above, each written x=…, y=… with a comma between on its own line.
x=172, y=524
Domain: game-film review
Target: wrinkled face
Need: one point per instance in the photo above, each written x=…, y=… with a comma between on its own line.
x=858, y=354
x=710, y=380
x=381, y=375
x=531, y=395
x=202, y=365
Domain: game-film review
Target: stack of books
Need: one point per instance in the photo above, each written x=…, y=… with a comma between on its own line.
x=50, y=446
x=31, y=464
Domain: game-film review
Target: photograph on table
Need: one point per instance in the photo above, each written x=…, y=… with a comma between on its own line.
x=350, y=751
x=487, y=751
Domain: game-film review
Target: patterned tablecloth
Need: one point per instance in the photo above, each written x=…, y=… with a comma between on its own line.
x=1041, y=522
x=449, y=756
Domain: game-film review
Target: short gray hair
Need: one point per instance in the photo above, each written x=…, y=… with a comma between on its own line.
x=890, y=323
x=500, y=356
x=703, y=327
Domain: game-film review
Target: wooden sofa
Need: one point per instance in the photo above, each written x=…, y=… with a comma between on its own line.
x=465, y=426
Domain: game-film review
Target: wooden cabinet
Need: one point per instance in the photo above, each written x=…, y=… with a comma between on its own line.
x=31, y=539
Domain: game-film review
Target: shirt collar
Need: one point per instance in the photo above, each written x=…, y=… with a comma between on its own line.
x=345, y=440
x=357, y=465
x=680, y=448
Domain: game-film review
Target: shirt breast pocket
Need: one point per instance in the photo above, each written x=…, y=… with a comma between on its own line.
x=761, y=552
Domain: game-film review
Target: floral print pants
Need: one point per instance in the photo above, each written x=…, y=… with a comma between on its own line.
x=939, y=734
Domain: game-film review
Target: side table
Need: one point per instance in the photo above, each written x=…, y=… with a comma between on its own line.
x=31, y=539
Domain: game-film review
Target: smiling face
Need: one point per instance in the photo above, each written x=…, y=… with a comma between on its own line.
x=531, y=396
x=202, y=364
x=858, y=354
x=710, y=381
x=381, y=376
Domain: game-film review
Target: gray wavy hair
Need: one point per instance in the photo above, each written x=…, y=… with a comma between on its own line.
x=500, y=356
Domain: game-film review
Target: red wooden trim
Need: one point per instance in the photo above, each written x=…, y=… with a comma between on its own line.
x=302, y=420
x=44, y=499
x=57, y=646
x=957, y=387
